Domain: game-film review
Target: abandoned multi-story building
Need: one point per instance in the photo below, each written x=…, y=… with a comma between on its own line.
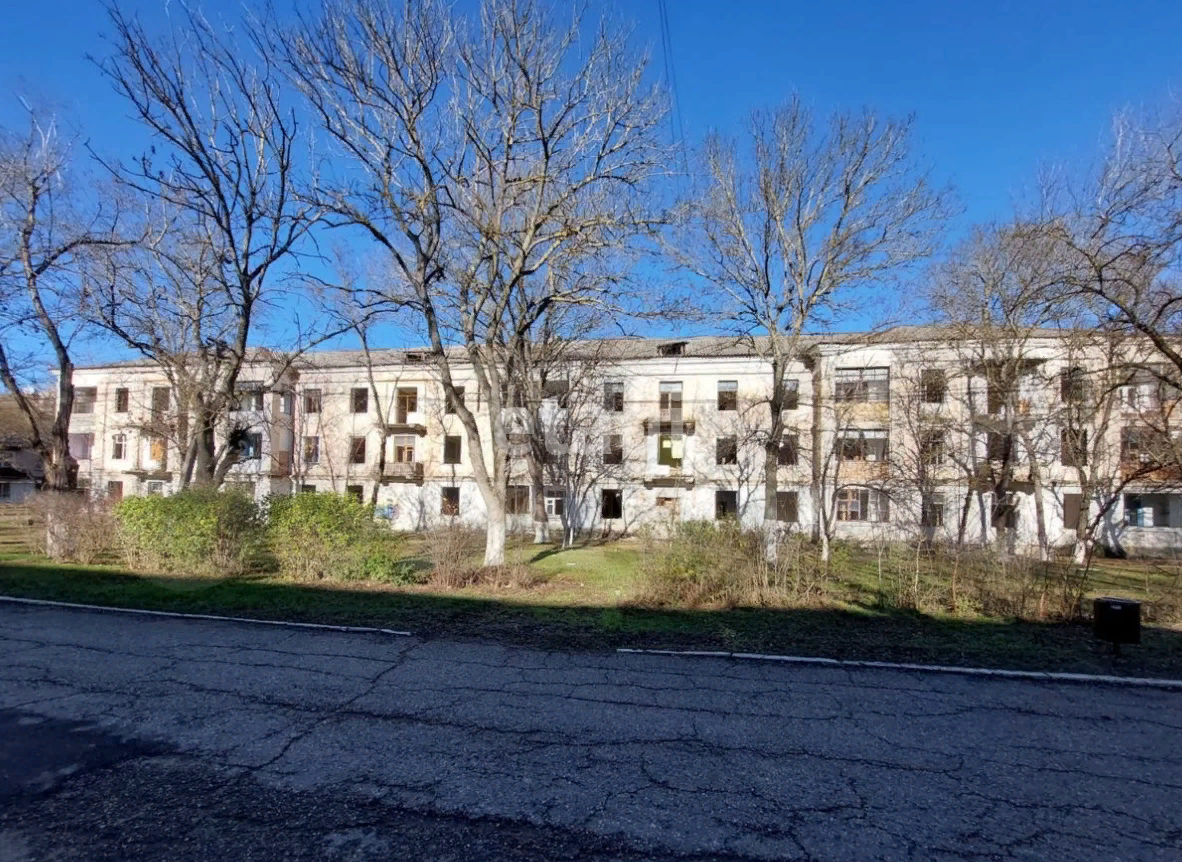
x=918, y=431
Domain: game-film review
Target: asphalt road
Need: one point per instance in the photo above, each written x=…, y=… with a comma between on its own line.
x=128, y=738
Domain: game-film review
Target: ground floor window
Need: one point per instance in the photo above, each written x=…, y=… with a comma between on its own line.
x=862, y=504
x=115, y=491
x=517, y=500
x=932, y=511
x=612, y=504
x=5, y=491
x=153, y=488
x=307, y=489
x=786, y=507
x=1147, y=510
x=726, y=504
x=449, y=501
x=1072, y=503
x=670, y=505
x=357, y=492
x=555, y=502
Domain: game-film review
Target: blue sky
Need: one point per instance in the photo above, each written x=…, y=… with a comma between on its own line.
x=998, y=88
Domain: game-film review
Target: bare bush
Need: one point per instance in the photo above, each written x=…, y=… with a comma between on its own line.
x=71, y=527
x=454, y=552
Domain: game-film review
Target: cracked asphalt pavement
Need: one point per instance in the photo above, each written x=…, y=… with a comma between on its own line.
x=125, y=737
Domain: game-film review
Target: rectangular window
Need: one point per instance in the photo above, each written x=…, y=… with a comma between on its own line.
x=158, y=450
x=1073, y=385
x=407, y=403
x=862, y=385
x=449, y=500
x=517, y=500
x=613, y=448
x=863, y=445
x=555, y=502
x=307, y=489
x=1071, y=506
x=613, y=396
x=452, y=401
x=791, y=394
x=357, y=492
x=5, y=491
x=1147, y=510
x=115, y=491
x=726, y=451
x=313, y=398
x=931, y=511
x=789, y=450
x=999, y=446
x=359, y=399
x=726, y=504
x=404, y=449
x=557, y=390
x=81, y=446
x=154, y=488
x=931, y=447
x=250, y=446
x=1073, y=447
x=611, y=506
x=161, y=398
x=670, y=400
x=862, y=504
x=452, y=449
x=84, y=399
x=786, y=507
x=311, y=450
x=122, y=400
x=670, y=450
x=357, y=450
x=287, y=403
x=118, y=447
x=250, y=397
x=933, y=385
x=728, y=395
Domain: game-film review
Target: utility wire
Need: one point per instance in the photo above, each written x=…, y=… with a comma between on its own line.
x=676, y=125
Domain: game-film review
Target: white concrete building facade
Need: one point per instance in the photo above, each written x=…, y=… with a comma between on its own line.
x=906, y=434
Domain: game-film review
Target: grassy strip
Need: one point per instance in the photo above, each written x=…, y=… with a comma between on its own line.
x=847, y=633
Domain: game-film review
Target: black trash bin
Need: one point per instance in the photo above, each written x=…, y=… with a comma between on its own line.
x=1117, y=621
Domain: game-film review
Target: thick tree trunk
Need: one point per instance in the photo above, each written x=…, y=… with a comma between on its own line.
x=771, y=487
x=537, y=480
x=1040, y=515
x=494, y=535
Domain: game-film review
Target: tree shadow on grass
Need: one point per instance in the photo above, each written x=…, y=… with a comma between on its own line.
x=871, y=632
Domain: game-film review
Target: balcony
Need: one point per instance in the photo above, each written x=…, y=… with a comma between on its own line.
x=408, y=425
x=668, y=425
x=659, y=475
x=403, y=471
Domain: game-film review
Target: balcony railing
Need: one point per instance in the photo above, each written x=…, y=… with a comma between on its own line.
x=403, y=471
x=665, y=425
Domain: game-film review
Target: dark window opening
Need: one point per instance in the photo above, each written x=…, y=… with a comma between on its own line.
x=726, y=504
x=357, y=450
x=360, y=400
x=451, y=449
x=786, y=507
x=726, y=451
x=613, y=449
x=449, y=501
x=611, y=504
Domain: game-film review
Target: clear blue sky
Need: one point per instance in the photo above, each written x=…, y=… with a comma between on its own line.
x=999, y=87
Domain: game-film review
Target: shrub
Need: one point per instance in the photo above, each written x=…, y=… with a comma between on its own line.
x=73, y=527
x=455, y=555
x=334, y=536
x=198, y=530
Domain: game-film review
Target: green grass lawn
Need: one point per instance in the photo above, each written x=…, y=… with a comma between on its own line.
x=586, y=598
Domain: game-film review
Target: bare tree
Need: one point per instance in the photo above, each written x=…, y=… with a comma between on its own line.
x=219, y=181
x=50, y=230
x=478, y=156
x=790, y=225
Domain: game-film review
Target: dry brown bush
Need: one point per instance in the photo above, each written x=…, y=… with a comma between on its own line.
x=73, y=527
x=454, y=552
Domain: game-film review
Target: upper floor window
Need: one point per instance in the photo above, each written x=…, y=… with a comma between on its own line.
x=407, y=402
x=670, y=450
x=613, y=396
x=357, y=450
x=360, y=399
x=312, y=400
x=250, y=397
x=118, y=447
x=933, y=386
x=1073, y=385
x=728, y=395
x=287, y=403
x=81, y=445
x=672, y=348
x=311, y=450
x=791, y=394
x=862, y=445
x=931, y=447
x=862, y=385
x=122, y=400
x=670, y=401
x=789, y=450
x=84, y=399
x=451, y=449
x=250, y=446
x=1073, y=447
x=726, y=451
x=613, y=449
x=161, y=397
x=404, y=449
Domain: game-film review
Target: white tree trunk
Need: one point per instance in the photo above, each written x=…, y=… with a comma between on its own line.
x=771, y=542
x=541, y=533
x=494, y=537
